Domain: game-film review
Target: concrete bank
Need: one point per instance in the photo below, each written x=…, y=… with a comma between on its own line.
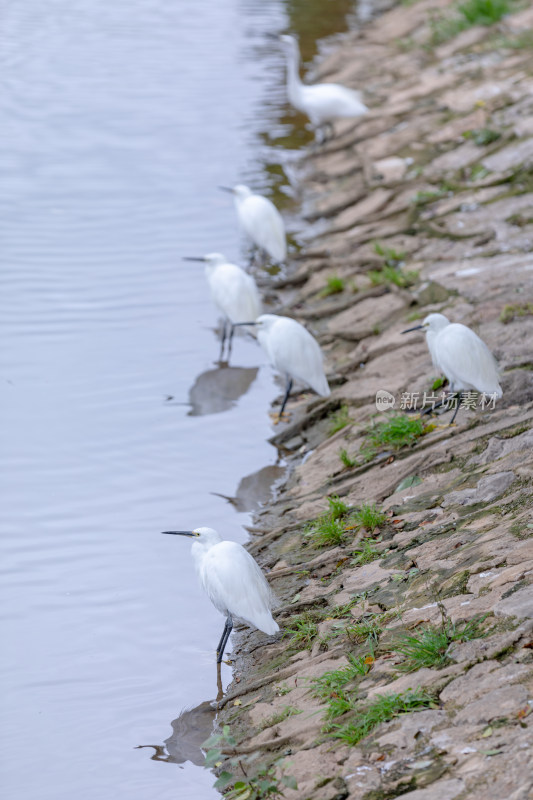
x=406, y=667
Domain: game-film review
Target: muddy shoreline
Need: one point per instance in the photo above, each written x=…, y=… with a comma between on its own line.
x=425, y=205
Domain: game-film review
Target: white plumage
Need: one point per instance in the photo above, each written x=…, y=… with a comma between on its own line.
x=294, y=352
x=322, y=102
x=461, y=355
x=233, y=292
x=261, y=221
x=233, y=582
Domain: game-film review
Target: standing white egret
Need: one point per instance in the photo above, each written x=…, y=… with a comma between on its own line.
x=461, y=355
x=233, y=291
x=292, y=351
x=322, y=102
x=260, y=220
x=233, y=582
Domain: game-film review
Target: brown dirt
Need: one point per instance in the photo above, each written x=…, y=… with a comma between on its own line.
x=458, y=545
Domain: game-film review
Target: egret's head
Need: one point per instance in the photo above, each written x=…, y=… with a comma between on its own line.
x=241, y=191
x=433, y=323
x=288, y=42
x=262, y=323
x=210, y=260
x=202, y=535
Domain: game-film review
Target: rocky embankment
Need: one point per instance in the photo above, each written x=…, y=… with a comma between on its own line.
x=406, y=664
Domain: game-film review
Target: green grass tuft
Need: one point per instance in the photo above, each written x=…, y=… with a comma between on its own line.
x=302, y=630
x=391, y=257
x=397, y=431
x=334, y=285
x=369, y=517
x=327, y=532
x=485, y=12
x=482, y=136
x=384, y=708
x=337, y=507
x=429, y=647
x=510, y=312
x=329, y=529
x=346, y=460
x=469, y=13
x=400, y=278
x=339, y=420
x=335, y=681
x=365, y=553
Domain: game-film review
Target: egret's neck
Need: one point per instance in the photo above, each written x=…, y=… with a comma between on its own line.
x=199, y=551
x=294, y=84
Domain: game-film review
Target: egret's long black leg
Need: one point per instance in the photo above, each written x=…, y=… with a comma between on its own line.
x=222, y=341
x=429, y=409
x=287, y=393
x=459, y=399
x=230, y=340
x=224, y=638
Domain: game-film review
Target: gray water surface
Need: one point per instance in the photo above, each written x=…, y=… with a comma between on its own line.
x=118, y=122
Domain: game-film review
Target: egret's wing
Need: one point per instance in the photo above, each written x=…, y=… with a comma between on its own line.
x=466, y=360
x=234, y=581
x=235, y=293
x=295, y=352
x=264, y=225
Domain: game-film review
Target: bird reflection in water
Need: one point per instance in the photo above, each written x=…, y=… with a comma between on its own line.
x=219, y=389
x=189, y=732
x=254, y=490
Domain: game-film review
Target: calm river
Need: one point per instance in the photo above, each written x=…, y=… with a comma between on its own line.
x=119, y=119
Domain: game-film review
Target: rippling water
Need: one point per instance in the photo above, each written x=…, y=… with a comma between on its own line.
x=119, y=121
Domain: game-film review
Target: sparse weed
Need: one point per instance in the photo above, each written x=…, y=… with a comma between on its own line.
x=384, y=708
x=391, y=257
x=279, y=716
x=397, y=431
x=346, y=460
x=425, y=196
x=335, y=681
x=402, y=279
x=485, y=12
x=337, y=507
x=469, y=13
x=365, y=553
x=510, y=312
x=482, y=136
x=369, y=517
x=302, y=631
x=329, y=529
x=327, y=533
x=339, y=420
x=428, y=648
x=365, y=631
x=334, y=285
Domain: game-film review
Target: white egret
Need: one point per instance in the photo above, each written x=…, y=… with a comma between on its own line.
x=260, y=220
x=292, y=351
x=461, y=355
x=233, y=291
x=322, y=102
x=233, y=582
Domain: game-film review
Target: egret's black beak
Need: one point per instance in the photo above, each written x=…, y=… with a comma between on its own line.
x=238, y=324
x=226, y=189
x=193, y=258
x=180, y=533
x=416, y=328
